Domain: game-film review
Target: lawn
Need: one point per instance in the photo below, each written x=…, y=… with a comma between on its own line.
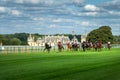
x=67, y=65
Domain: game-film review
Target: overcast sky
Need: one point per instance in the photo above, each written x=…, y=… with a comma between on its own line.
x=58, y=16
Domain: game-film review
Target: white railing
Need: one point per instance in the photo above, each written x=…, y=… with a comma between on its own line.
x=29, y=49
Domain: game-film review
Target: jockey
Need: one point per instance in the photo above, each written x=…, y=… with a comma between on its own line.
x=46, y=44
x=75, y=43
x=108, y=42
x=109, y=45
x=47, y=47
x=60, y=46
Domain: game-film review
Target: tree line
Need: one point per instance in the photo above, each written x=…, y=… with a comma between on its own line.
x=103, y=34
x=21, y=38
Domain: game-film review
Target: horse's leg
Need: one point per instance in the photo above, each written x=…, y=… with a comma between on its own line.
x=59, y=50
x=44, y=49
x=48, y=50
x=84, y=49
x=96, y=49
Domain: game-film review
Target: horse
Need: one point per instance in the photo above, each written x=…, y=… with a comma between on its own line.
x=69, y=46
x=73, y=46
x=89, y=45
x=76, y=46
x=84, y=46
x=60, y=46
x=47, y=47
x=108, y=45
x=97, y=46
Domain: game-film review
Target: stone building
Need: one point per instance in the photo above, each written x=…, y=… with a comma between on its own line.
x=83, y=38
x=52, y=40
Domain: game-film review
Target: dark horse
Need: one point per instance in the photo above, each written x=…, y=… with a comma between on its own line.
x=87, y=45
x=76, y=46
x=84, y=45
x=98, y=46
x=47, y=47
x=60, y=46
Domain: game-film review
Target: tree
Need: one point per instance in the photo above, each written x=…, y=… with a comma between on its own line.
x=103, y=34
x=117, y=39
x=15, y=41
x=1, y=37
x=71, y=36
x=23, y=37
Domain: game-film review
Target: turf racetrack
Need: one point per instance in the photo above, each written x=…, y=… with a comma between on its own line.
x=104, y=65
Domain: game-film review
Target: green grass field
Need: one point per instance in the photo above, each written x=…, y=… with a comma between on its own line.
x=90, y=65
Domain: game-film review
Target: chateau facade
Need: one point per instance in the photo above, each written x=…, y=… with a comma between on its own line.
x=52, y=40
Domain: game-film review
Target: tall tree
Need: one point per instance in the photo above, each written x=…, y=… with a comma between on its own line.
x=103, y=34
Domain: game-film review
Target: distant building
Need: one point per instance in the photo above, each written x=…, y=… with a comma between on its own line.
x=75, y=39
x=83, y=38
x=50, y=39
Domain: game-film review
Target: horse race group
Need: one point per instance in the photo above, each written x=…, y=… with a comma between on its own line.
x=74, y=45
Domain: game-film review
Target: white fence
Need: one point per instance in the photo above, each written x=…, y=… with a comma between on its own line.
x=24, y=49
x=30, y=49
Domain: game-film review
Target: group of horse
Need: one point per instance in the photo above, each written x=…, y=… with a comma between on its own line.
x=75, y=46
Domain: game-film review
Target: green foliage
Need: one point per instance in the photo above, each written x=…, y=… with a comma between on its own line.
x=11, y=41
x=116, y=39
x=36, y=36
x=103, y=34
x=15, y=41
x=23, y=37
x=7, y=39
x=71, y=36
x=1, y=38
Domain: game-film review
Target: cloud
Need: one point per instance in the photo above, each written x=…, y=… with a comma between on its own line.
x=38, y=19
x=56, y=16
x=85, y=23
x=28, y=1
x=91, y=13
x=3, y=9
x=53, y=26
x=56, y=26
x=114, y=12
x=46, y=2
x=9, y=11
x=63, y=20
x=15, y=12
x=77, y=1
x=90, y=7
x=111, y=5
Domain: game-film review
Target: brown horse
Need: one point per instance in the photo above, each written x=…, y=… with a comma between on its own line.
x=60, y=46
x=74, y=46
x=98, y=46
x=69, y=46
x=109, y=45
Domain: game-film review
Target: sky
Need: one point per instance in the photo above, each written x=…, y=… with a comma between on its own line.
x=58, y=16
